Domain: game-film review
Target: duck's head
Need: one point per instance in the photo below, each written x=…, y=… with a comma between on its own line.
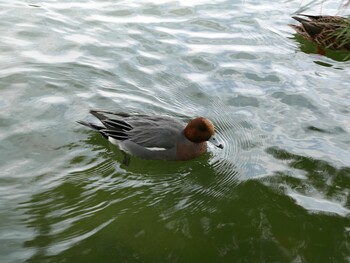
x=200, y=130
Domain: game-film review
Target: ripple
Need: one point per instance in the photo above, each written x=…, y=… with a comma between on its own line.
x=240, y=139
x=199, y=63
x=316, y=204
x=136, y=19
x=282, y=115
x=64, y=57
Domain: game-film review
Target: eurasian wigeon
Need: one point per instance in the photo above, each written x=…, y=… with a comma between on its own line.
x=155, y=137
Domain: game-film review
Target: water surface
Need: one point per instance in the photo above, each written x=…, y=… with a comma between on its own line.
x=277, y=192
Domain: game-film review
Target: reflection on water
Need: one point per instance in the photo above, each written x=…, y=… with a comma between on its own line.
x=309, y=177
x=277, y=192
x=122, y=207
x=87, y=201
x=71, y=221
x=311, y=48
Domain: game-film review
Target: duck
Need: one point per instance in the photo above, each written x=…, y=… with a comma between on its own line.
x=153, y=136
x=331, y=32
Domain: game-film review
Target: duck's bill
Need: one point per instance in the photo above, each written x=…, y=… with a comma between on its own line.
x=216, y=142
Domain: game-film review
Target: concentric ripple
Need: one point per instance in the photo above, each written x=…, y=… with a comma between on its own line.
x=67, y=195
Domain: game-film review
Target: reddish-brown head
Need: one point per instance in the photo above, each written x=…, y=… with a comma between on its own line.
x=199, y=130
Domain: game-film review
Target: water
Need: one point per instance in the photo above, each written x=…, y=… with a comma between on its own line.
x=278, y=192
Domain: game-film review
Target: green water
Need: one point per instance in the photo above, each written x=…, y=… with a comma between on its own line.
x=277, y=192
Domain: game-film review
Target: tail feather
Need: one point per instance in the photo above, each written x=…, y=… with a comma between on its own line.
x=297, y=28
x=91, y=125
x=307, y=26
x=118, y=135
x=99, y=114
x=311, y=17
x=311, y=29
x=117, y=124
x=112, y=124
x=94, y=127
x=300, y=19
